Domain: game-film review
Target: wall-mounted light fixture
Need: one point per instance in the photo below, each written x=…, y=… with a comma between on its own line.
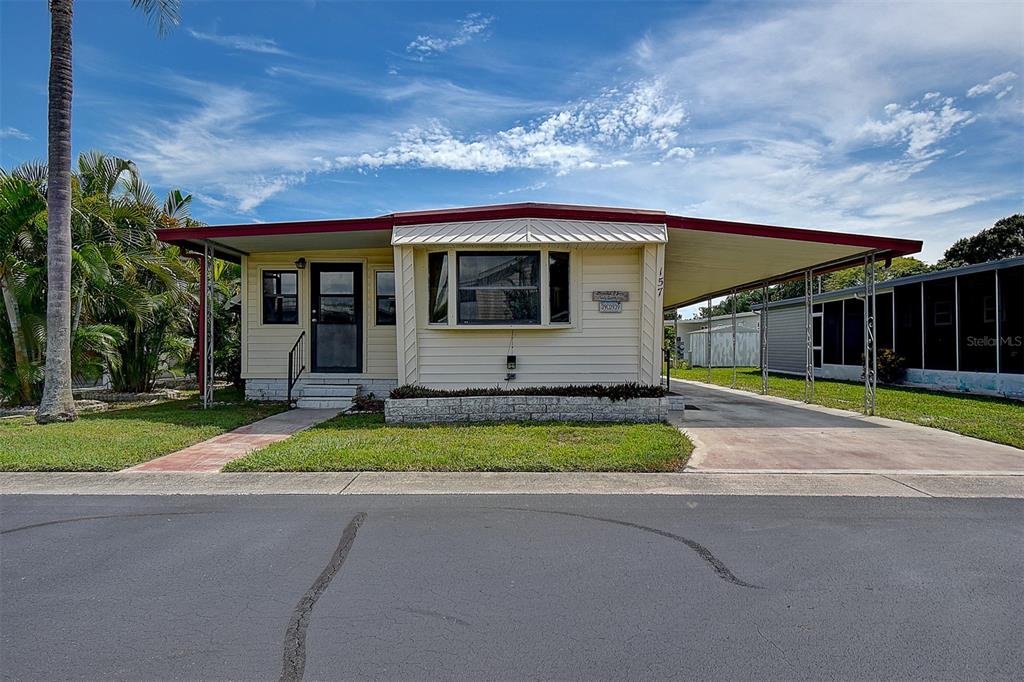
x=510, y=362
x=301, y=263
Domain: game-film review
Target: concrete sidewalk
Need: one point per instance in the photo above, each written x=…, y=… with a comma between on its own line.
x=212, y=454
x=739, y=431
x=443, y=483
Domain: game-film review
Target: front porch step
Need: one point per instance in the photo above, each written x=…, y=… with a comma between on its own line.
x=329, y=390
x=323, y=403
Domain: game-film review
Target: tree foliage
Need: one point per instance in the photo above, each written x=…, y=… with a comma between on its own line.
x=134, y=299
x=1005, y=239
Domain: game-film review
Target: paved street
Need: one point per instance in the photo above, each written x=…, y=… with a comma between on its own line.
x=510, y=587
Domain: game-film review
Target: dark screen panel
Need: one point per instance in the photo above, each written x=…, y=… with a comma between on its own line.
x=940, y=324
x=977, y=328
x=1011, y=320
x=853, y=331
x=832, y=337
x=883, y=320
x=908, y=324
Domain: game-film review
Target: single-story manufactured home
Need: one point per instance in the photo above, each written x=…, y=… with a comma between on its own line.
x=511, y=295
x=960, y=329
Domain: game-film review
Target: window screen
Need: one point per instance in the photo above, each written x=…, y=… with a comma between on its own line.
x=437, y=286
x=384, y=290
x=939, y=324
x=853, y=331
x=499, y=287
x=1011, y=320
x=280, y=297
x=978, y=345
x=558, y=285
x=908, y=324
x=832, y=337
x=883, y=320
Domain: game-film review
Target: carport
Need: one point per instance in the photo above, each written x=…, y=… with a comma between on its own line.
x=705, y=259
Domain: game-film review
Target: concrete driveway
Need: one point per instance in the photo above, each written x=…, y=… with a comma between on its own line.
x=738, y=431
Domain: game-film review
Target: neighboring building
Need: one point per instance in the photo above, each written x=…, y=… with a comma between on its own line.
x=514, y=295
x=960, y=329
x=692, y=340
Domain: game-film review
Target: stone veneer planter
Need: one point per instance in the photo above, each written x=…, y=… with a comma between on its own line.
x=519, y=408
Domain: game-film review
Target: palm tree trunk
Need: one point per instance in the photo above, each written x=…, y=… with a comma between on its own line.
x=21, y=359
x=57, y=403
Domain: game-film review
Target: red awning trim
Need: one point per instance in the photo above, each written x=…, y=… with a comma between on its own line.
x=884, y=246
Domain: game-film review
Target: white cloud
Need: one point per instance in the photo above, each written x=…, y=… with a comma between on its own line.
x=469, y=28
x=681, y=153
x=232, y=144
x=244, y=43
x=640, y=118
x=14, y=133
x=919, y=127
x=998, y=83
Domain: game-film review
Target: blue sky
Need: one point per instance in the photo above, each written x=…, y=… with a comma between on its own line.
x=898, y=119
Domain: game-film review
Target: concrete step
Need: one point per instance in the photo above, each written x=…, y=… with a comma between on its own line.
x=324, y=403
x=329, y=390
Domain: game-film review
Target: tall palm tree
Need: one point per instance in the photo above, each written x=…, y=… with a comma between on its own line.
x=57, y=403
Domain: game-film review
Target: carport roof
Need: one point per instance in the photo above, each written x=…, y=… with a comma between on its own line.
x=703, y=257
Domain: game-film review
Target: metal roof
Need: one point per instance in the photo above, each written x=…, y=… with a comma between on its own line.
x=703, y=257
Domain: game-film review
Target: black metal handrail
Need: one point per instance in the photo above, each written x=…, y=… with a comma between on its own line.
x=296, y=358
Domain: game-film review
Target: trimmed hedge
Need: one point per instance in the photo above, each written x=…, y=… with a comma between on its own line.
x=612, y=392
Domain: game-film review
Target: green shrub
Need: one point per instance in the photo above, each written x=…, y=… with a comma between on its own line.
x=892, y=368
x=612, y=392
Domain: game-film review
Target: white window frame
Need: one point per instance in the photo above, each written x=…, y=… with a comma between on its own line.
x=374, y=270
x=545, y=288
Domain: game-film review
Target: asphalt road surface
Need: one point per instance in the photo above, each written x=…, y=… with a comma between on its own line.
x=507, y=587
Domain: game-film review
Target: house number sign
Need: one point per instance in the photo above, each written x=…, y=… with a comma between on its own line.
x=609, y=301
x=619, y=296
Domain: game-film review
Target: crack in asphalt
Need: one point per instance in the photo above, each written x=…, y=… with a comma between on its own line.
x=435, y=614
x=96, y=518
x=294, y=659
x=721, y=570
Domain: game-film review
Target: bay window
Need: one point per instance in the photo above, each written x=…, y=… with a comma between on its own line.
x=507, y=288
x=499, y=288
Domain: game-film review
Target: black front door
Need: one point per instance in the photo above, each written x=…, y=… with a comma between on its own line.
x=336, y=316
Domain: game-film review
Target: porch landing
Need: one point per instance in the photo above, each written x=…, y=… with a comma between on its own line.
x=210, y=455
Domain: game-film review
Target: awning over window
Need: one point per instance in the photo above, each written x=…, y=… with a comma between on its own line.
x=530, y=231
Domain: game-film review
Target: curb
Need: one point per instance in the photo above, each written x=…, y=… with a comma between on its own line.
x=803, y=484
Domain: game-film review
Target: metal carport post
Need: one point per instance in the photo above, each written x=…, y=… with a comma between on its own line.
x=707, y=343
x=809, y=334
x=764, y=338
x=733, y=295
x=205, y=370
x=870, y=336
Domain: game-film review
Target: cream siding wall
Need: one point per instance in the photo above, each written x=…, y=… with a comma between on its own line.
x=266, y=346
x=597, y=348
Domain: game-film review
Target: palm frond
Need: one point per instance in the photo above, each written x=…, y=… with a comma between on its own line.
x=163, y=13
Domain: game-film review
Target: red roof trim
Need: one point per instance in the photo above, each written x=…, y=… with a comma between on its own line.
x=891, y=245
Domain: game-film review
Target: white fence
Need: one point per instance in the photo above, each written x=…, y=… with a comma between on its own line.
x=748, y=353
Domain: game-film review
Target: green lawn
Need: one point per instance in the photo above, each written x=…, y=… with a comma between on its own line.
x=107, y=441
x=365, y=443
x=996, y=419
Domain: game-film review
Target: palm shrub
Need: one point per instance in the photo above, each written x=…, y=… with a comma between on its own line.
x=132, y=297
